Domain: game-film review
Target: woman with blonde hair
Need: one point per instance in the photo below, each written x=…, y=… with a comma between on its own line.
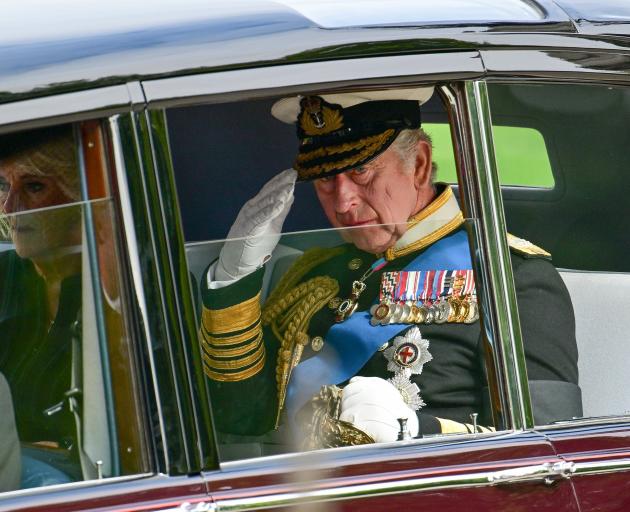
x=40, y=295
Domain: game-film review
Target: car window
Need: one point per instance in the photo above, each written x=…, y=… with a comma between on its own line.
x=316, y=308
x=67, y=385
x=522, y=157
x=580, y=231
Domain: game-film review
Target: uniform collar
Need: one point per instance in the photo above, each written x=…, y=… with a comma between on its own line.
x=438, y=219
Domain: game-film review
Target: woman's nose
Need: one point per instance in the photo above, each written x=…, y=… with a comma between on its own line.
x=11, y=202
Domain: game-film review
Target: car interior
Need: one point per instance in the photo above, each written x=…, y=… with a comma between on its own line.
x=576, y=219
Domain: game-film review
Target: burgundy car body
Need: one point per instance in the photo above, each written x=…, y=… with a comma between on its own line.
x=127, y=68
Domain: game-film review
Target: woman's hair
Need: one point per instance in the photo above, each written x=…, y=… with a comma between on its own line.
x=47, y=151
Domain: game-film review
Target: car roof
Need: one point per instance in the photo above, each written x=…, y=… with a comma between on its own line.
x=48, y=47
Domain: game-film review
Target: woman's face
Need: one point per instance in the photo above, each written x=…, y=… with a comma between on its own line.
x=38, y=234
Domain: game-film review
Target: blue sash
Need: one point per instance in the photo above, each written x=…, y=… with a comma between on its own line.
x=350, y=344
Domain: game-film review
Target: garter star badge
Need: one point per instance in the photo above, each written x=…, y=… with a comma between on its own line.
x=406, y=357
x=410, y=351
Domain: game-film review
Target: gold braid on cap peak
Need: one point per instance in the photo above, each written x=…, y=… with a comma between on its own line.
x=371, y=145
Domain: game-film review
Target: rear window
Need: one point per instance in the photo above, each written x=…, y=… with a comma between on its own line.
x=521, y=155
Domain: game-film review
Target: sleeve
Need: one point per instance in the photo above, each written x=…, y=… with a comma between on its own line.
x=236, y=357
x=10, y=462
x=548, y=328
x=434, y=425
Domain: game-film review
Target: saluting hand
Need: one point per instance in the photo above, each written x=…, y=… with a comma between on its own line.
x=256, y=230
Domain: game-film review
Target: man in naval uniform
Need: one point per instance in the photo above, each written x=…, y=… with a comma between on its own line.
x=386, y=326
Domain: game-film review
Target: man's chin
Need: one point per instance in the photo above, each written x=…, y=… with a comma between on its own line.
x=371, y=239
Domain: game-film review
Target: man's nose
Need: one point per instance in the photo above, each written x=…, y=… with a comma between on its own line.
x=346, y=197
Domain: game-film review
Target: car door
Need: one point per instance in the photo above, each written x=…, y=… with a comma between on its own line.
x=111, y=439
x=579, y=215
x=512, y=468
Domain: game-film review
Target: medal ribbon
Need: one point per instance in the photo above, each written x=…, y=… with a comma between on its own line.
x=350, y=344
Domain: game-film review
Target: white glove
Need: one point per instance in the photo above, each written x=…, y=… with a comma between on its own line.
x=374, y=405
x=256, y=230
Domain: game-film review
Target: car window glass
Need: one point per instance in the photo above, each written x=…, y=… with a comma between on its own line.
x=254, y=331
x=580, y=231
x=275, y=284
x=64, y=345
x=272, y=323
x=522, y=157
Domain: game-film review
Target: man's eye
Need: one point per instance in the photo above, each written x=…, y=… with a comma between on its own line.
x=4, y=186
x=360, y=170
x=325, y=179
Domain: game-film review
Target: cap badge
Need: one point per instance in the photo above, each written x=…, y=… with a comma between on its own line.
x=319, y=117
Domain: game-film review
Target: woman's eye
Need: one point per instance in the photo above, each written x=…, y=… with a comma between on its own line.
x=35, y=186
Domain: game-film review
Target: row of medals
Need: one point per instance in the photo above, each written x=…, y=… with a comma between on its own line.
x=452, y=309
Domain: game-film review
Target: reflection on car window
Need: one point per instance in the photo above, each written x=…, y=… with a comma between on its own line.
x=50, y=348
x=582, y=233
x=367, y=332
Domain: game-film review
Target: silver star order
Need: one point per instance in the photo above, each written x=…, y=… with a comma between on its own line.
x=409, y=391
x=411, y=336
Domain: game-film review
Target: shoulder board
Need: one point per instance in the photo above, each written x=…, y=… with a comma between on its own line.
x=526, y=248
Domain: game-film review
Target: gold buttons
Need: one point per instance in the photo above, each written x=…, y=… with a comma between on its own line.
x=317, y=343
x=355, y=263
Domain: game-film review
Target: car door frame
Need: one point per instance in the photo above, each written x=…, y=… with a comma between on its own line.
x=119, y=108
x=598, y=449
x=238, y=485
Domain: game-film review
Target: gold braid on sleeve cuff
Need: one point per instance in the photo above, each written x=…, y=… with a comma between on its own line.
x=454, y=427
x=232, y=341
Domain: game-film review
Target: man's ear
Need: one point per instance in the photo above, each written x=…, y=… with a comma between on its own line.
x=424, y=163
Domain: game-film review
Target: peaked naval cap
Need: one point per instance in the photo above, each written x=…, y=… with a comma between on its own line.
x=334, y=139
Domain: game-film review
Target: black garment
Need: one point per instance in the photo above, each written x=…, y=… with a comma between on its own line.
x=453, y=384
x=36, y=358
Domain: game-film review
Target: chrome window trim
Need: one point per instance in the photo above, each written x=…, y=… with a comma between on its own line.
x=329, y=454
x=97, y=300
x=299, y=495
x=585, y=422
x=212, y=87
x=70, y=486
x=129, y=233
x=586, y=64
x=70, y=107
x=601, y=468
x=494, y=245
x=186, y=333
x=146, y=166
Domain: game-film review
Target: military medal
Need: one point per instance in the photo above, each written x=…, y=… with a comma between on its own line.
x=317, y=343
x=380, y=314
x=426, y=297
x=406, y=357
x=349, y=306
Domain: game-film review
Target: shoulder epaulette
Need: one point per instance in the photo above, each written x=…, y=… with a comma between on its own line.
x=526, y=248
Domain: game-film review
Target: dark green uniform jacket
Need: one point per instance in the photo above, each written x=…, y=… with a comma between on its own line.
x=243, y=345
